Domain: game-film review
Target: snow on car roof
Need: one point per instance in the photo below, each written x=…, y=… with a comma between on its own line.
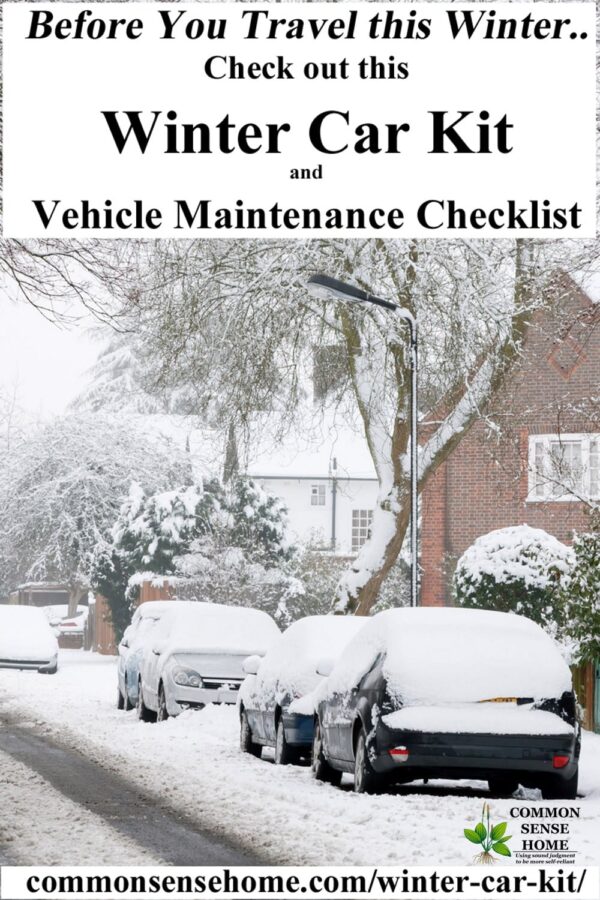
x=292, y=661
x=153, y=608
x=25, y=633
x=213, y=627
x=454, y=655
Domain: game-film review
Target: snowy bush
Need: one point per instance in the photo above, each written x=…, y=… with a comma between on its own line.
x=581, y=598
x=218, y=545
x=518, y=569
x=243, y=557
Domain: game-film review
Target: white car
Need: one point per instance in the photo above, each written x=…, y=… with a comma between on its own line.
x=59, y=618
x=195, y=656
x=26, y=640
x=131, y=649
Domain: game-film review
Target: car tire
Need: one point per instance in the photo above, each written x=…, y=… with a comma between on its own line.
x=120, y=699
x=143, y=713
x=365, y=779
x=503, y=785
x=284, y=755
x=163, y=713
x=51, y=671
x=557, y=788
x=247, y=745
x=128, y=705
x=321, y=769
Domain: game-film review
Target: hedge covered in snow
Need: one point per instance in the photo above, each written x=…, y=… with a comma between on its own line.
x=517, y=569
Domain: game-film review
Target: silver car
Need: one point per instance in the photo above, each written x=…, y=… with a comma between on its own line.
x=131, y=648
x=195, y=657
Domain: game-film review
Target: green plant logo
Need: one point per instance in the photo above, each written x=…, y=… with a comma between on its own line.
x=490, y=837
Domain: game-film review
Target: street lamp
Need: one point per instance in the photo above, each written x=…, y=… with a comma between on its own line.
x=325, y=288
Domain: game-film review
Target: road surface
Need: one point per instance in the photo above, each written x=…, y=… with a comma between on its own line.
x=169, y=836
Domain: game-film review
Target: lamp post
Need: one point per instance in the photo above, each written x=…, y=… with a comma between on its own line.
x=326, y=288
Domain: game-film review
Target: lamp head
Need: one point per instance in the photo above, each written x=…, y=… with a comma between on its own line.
x=322, y=287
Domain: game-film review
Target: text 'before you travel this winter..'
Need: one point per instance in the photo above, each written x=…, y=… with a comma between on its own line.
x=357, y=120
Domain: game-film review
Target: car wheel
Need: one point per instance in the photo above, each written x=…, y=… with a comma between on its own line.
x=51, y=671
x=163, y=713
x=247, y=745
x=120, y=699
x=557, y=788
x=143, y=713
x=127, y=701
x=320, y=767
x=503, y=785
x=284, y=755
x=365, y=779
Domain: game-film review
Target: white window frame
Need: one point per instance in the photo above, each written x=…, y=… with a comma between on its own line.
x=362, y=528
x=544, y=488
x=318, y=495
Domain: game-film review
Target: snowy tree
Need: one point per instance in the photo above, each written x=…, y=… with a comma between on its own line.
x=244, y=558
x=232, y=323
x=216, y=544
x=60, y=495
x=581, y=597
x=517, y=569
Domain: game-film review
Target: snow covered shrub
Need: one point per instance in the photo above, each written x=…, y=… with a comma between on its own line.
x=218, y=545
x=518, y=569
x=581, y=597
x=243, y=557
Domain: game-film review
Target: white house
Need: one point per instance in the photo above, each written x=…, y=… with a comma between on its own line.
x=325, y=475
x=329, y=487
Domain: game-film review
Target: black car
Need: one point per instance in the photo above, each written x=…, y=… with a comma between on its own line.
x=450, y=693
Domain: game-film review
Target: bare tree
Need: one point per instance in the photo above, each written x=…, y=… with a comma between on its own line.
x=62, y=279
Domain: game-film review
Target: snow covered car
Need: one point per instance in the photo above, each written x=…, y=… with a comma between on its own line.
x=276, y=704
x=70, y=629
x=195, y=656
x=450, y=693
x=27, y=640
x=131, y=648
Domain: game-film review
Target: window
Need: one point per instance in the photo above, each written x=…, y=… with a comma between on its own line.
x=317, y=495
x=564, y=467
x=361, y=527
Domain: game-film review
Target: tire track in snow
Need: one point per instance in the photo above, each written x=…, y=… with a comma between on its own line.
x=168, y=836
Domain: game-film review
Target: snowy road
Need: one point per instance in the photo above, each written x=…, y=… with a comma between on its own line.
x=112, y=802
x=193, y=768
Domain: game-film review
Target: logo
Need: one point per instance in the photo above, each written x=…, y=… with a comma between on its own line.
x=492, y=838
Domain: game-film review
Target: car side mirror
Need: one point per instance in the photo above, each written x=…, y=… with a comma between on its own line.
x=251, y=664
x=124, y=643
x=324, y=667
x=159, y=648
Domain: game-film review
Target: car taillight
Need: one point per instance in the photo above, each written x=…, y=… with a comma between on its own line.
x=399, y=754
x=559, y=761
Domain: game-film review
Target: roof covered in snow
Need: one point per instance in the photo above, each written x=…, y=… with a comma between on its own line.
x=189, y=627
x=307, y=452
x=437, y=656
x=290, y=668
x=588, y=279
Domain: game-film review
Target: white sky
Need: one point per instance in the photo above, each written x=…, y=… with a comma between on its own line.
x=47, y=363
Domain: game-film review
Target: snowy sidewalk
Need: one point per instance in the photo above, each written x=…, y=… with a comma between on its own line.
x=194, y=765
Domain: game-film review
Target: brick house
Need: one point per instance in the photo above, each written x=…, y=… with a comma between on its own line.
x=534, y=455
